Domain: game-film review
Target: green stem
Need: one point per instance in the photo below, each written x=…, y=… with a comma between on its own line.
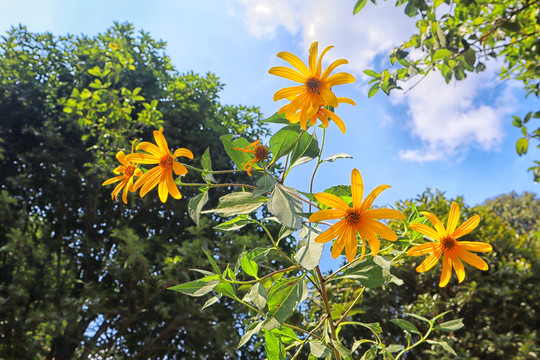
x=308, y=336
x=265, y=276
x=417, y=343
x=215, y=185
x=319, y=162
x=328, y=311
x=274, y=242
x=350, y=307
x=211, y=171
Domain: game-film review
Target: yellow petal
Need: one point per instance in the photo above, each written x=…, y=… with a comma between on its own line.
x=424, y=249
x=328, y=96
x=426, y=230
x=294, y=61
x=143, y=158
x=179, y=169
x=373, y=241
x=296, y=104
x=335, y=118
x=118, y=188
x=126, y=190
x=351, y=244
x=326, y=215
x=313, y=49
x=332, y=201
x=453, y=218
x=357, y=188
x=446, y=273
x=323, y=118
x=436, y=223
x=163, y=190
x=328, y=234
x=344, y=100
x=458, y=267
x=371, y=197
x=466, y=227
x=332, y=66
x=475, y=246
x=363, y=247
x=113, y=180
x=339, y=79
x=339, y=244
x=319, y=63
x=172, y=188
x=150, y=148
x=288, y=92
x=384, y=214
x=161, y=142
x=121, y=157
x=382, y=230
x=472, y=259
x=288, y=73
x=429, y=262
x=148, y=181
x=183, y=152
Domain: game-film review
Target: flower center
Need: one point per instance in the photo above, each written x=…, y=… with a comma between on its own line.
x=129, y=170
x=166, y=162
x=261, y=152
x=448, y=243
x=352, y=216
x=313, y=85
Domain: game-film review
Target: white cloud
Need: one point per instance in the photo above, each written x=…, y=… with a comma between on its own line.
x=447, y=119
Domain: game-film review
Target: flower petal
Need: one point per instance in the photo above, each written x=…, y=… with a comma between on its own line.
x=288, y=73
x=288, y=92
x=330, y=233
x=163, y=190
x=150, y=148
x=121, y=157
x=357, y=188
x=472, y=259
x=326, y=215
x=436, y=223
x=384, y=214
x=183, y=152
x=161, y=142
x=475, y=246
x=371, y=197
x=113, y=180
x=148, y=181
x=335, y=118
x=382, y=230
x=313, y=50
x=339, y=244
x=458, y=267
x=294, y=61
x=446, y=273
x=340, y=78
x=453, y=218
x=351, y=244
x=426, y=230
x=373, y=241
x=172, y=188
x=296, y=104
x=143, y=158
x=344, y=100
x=466, y=227
x=332, y=201
x=424, y=249
x=329, y=96
x=332, y=66
x=429, y=262
x=179, y=169
x=319, y=63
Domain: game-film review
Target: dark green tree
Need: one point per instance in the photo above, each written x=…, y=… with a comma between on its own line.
x=83, y=276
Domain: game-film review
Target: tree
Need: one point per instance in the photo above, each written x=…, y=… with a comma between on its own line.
x=456, y=38
x=81, y=275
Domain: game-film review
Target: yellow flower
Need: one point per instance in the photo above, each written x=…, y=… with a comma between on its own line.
x=322, y=114
x=453, y=251
x=162, y=174
x=260, y=152
x=128, y=171
x=356, y=219
x=316, y=84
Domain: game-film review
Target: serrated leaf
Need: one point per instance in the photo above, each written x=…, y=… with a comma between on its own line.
x=196, y=204
x=252, y=329
x=284, y=296
x=284, y=204
x=337, y=156
x=366, y=272
x=371, y=73
x=309, y=254
x=419, y=317
x=406, y=325
x=237, y=203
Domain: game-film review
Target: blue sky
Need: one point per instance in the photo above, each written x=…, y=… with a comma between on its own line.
x=456, y=137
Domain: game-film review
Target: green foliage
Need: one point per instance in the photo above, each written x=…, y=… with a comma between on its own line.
x=457, y=38
x=81, y=275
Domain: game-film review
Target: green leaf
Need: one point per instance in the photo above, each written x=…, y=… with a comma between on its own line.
x=284, y=203
x=211, y=301
x=249, y=266
x=394, y=348
x=277, y=119
x=337, y=156
x=310, y=252
x=238, y=157
x=522, y=146
x=196, y=204
x=237, y=203
x=359, y=5
x=280, y=144
x=305, y=150
x=517, y=122
x=342, y=350
x=406, y=325
x=212, y=261
x=318, y=349
x=451, y=325
x=96, y=71
x=444, y=345
x=371, y=73
x=265, y=184
x=366, y=272
x=196, y=288
x=284, y=296
x=371, y=354
x=441, y=53
x=373, y=90
x=234, y=224
x=257, y=295
x=252, y=329
x=470, y=57
x=273, y=346
x=226, y=289
x=419, y=317
x=527, y=117
x=375, y=328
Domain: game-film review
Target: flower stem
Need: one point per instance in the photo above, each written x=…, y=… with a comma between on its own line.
x=319, y=162
x=328, y=311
